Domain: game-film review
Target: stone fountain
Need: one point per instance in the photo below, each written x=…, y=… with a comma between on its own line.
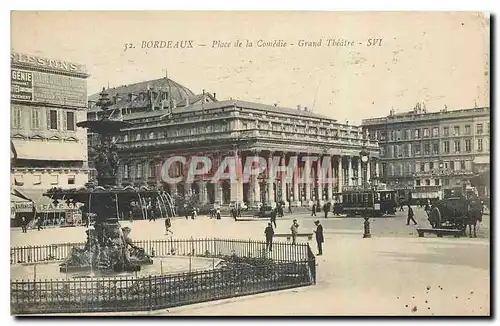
x=109, y=247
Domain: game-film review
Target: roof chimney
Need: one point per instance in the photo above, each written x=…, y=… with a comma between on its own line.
x=214, y=95
x=305, y=108
x=298, y=107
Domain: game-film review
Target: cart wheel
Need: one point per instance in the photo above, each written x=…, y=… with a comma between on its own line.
x=435, y=218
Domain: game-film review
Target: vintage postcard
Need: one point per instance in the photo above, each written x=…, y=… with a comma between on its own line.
x=250, y=163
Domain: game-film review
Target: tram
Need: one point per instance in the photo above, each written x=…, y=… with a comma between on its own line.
x=366, y=202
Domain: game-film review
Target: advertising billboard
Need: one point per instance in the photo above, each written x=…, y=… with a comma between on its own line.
x=41, y=87
x=59, y=89
x=21, y=85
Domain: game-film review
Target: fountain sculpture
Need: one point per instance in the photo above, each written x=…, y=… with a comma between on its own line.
x=109, y=247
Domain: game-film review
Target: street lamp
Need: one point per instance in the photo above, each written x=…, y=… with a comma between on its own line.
x=366, y=224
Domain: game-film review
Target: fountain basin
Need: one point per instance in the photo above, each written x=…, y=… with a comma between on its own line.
x=160, y=266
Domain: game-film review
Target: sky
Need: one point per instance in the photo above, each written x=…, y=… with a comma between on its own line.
x=436, y=58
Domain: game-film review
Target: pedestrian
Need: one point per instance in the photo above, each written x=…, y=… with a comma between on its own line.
x=290, y=208
x=295, y=231
x=319, y=237
x=24, y=225
x=168, y=225
x=325, y=209
x=38, y=223
x=269, y=232
x=401, y=209
x=217, y=213
x=193, y=213
x=410, y=216
x=273, y=216
x=313, y=210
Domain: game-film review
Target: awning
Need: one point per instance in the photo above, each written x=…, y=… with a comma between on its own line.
x=35, y=195
x=19, y=203
x=50, y=150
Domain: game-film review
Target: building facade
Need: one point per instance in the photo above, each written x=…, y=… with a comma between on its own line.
x=169, y=120
x=48, y=98
x=427, y=153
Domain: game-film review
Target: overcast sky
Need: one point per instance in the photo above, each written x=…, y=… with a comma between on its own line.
x=437, y=58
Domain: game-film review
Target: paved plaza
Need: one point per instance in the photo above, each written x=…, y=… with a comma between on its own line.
x=392, y=273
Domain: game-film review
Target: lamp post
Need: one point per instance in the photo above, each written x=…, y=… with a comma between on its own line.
x=366, y=224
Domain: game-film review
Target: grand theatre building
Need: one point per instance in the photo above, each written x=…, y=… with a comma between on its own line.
x=169, y=120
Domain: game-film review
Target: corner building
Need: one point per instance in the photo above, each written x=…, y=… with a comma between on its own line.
x=169, y=120
x=428, y=153
x=48, y=98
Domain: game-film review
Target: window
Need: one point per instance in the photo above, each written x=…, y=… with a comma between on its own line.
x=392, y=135
x=70, y=120
x=452, y=166
x=462, y=165
x=138, y=136
x=151, y=135
x=422, y=167
x=479, y=129
x=436, y=182
x=446, y=182
x=71, y=179
x=125, y=171
x=37, y=180
x=456, y=146
x=435, y=148
x=125, y=137
x=152, y=169
x=417, y=182
x=431, y=165
x=16, y=117
x=398, y=134
x=35, y=118
x=446, y=147
x=416, y=149
x=54, y=179
x=417, y=133
x=446, y=131
x=426, y=132
x=395, y=150
x=52, y=119
x=446, y=164
x=468, y=145
x=479, y=145
x=467, y=129
x=435, y=132
x=407, y=134
x=456, y=131
x=427, y=182
x=138, y=170
x=427, y=149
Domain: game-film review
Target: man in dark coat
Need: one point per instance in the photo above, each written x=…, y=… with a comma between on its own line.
x=273, y=216
x=269, y=232
x=313, y=210
x=410, y=216
x=319, y=237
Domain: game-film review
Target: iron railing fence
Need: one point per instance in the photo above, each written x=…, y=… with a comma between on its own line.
x=291, y=266
x=282, y=251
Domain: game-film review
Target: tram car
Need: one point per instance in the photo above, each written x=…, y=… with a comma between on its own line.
x=374, y=203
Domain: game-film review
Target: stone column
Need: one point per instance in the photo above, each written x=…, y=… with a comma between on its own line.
x=340, y=174
x=237, y=186
x=158, y=164
x=319, y=178
x=296, y=191
x=377, y=173
x=284, y=176
x=330, y=182
x=270, y=184
x=368, y=171
x=307, y=177
x=218, y=193
x=132, y=172
x=360, y=172
x=349, y=171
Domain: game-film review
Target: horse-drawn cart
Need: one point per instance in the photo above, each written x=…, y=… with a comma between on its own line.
x=457, y=213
